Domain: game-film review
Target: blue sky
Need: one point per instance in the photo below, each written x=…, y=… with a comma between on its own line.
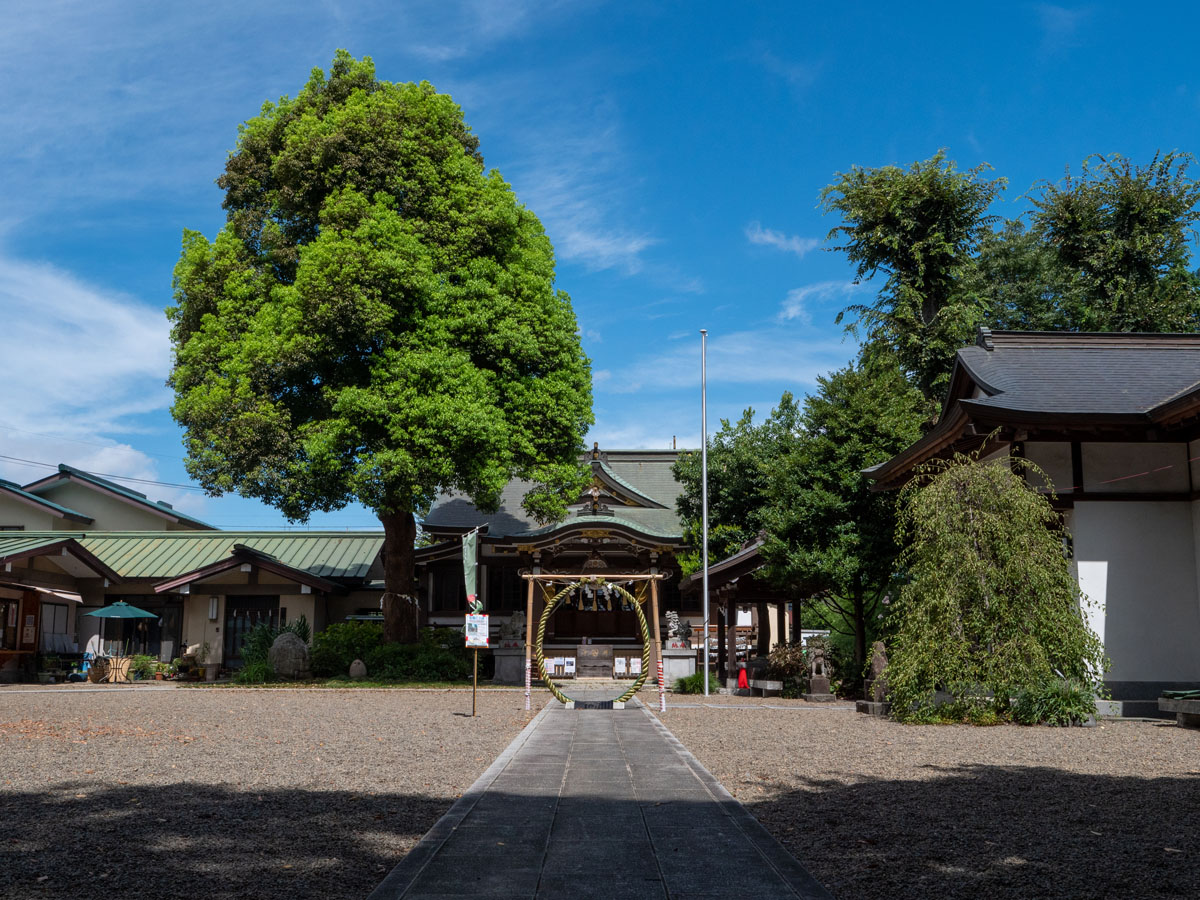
x=674, y=152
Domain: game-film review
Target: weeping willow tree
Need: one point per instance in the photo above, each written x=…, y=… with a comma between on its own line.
x=990, y=607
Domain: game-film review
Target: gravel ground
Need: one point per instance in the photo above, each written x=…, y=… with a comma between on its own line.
x=880, y=810
x=160, y=793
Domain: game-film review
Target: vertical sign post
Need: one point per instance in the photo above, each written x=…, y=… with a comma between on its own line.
x=476, y=626
x=704, y=489
x=477, y=636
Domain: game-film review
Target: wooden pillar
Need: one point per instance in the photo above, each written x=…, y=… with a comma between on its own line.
x=528, y=642
x=764, y=630
x=730, y=635
x=721, y=658
x=781, y=621
x=662, y=697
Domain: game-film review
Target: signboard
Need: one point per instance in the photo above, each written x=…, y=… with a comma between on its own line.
x=477, y=630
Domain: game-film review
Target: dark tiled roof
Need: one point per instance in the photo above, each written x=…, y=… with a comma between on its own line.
x=1081, y=374
x=1062, y=379
x=646, y=472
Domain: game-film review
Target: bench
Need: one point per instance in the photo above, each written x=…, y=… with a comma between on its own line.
x=1186, y=709
x=762, y=687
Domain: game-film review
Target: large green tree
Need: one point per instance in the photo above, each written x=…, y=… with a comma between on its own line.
x=740, y=455
x=828, y=534
x=376, y=322
x=1121, y=234
x=919, y=227
x=990, y=607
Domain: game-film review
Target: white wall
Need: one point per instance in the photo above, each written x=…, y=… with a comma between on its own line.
x=1141, y=558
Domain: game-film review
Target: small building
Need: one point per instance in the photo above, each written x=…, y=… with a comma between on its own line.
x=1114, y=421
x=74, y=541
x=625, y=523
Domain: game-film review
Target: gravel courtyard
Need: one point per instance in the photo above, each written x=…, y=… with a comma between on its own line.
x=224, y=793
x=227, y=793
x=880, y=810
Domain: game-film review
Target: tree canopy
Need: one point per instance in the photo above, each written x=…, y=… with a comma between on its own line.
x=1106, y=250
x=828, y=534
x=739, y=459
x=377, y=321
x=990, y=607
x=919, y=227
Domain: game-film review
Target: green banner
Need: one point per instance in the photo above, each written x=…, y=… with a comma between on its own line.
x=470, y=550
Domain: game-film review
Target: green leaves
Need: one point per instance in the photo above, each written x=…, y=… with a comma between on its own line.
x=377, y=320
x=990, y=607
x=919, y=227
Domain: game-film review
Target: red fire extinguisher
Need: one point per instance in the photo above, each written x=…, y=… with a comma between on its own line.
x=743, y=681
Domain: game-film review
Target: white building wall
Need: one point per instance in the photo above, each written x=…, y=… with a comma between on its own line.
x=1141, y=558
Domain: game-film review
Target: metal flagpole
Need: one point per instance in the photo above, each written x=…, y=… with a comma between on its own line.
x=704, y=488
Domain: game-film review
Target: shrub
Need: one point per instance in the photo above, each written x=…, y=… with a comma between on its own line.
x=694, y=684
x=254, y=673
x=1060, y=701
x=340, y=644
x=990, y=608
x=789, y=663
x=143, y=666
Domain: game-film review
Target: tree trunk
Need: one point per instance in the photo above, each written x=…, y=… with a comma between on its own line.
x=401, y=612
x=860, y=631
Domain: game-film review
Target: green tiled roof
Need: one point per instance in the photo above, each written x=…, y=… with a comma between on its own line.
x=140, y=499
x=335, y=555
x=15, y=489
x=645, y=472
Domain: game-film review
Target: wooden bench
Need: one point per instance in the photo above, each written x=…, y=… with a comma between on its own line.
x=763, y=687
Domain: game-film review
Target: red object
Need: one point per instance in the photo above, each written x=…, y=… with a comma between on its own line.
x=743, y=681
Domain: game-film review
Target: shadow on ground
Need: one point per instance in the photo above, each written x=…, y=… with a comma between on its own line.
x=992, y=831
x=187, y=841
x=979, y=831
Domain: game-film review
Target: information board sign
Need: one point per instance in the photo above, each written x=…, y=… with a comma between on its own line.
x=477, y=630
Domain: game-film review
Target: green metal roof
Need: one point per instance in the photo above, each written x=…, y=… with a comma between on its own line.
x=645, y=473
x=336, y=555
x=16, y=490
x=65, y=471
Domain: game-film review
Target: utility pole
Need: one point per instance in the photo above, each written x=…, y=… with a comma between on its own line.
x=704, y=488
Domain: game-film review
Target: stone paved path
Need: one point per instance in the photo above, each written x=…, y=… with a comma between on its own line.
x=603, y=804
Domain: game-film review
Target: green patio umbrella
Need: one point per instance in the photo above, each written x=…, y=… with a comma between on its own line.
x=119, y=610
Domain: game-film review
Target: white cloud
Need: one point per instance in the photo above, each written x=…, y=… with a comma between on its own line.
x=1060, y=26
x=799, y=300
x=801, y=246
x=79, y=364
x=782, y=355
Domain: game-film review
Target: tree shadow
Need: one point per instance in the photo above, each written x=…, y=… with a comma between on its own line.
x=187, y=840
x=995, y=831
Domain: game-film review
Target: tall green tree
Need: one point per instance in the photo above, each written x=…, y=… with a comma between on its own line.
x=919, y=227
x=990, y=607
x=1020, y=282
x=1122, y=233
x=828, y=534
x=376, y=322
x=739, y=459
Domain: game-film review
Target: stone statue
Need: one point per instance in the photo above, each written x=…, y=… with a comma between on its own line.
x=514, y=628
x=358, y=670
x=816, y=667
x=678, y=631
x=818, y=675
x=288, y=656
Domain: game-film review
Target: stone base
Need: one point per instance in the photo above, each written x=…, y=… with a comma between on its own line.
x=871, y=708
x=820, y=698
x=1187, y=712
x=510, y=665
x=678, y=663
